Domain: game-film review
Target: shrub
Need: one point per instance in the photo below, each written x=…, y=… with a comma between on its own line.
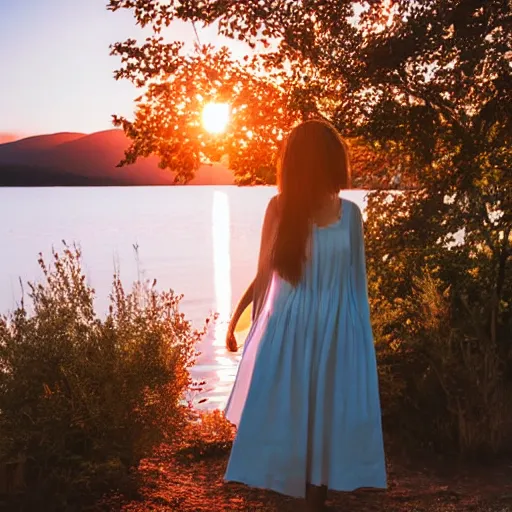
x=211, y=434
x=444, y=384
x=83, y=399
x=442, y=316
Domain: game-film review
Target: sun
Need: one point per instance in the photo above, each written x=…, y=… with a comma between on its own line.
x=215, y=117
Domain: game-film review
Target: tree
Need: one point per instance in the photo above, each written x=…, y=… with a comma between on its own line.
x=420, y=88
x=177, y=86
x=423, y=87
x=267, y=96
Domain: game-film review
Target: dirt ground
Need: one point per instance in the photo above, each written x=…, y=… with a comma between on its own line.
x=196, y=485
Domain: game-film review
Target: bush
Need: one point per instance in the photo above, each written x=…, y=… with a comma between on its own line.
x=83, y=399
x=442, y=317
x=443, y=384
x=210, y=435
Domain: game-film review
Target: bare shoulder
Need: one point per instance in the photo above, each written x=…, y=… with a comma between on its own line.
x=268, y=235
x=274, y=201
x=272, y=207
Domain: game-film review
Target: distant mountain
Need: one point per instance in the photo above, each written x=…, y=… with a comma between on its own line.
x=8, y=137
x=67, y=159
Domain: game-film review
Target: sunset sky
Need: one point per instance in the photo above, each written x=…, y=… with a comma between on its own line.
x=57, y=74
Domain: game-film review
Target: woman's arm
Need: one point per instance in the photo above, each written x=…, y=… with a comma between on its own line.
x=264, y=273
x=257, y=289
x=246, y=299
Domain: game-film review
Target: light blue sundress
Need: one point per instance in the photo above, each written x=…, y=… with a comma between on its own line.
x=306, y=395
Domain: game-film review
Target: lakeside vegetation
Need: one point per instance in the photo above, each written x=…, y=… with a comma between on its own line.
x=84, y=399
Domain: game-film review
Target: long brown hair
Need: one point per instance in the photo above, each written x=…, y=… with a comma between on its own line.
x=313, y=165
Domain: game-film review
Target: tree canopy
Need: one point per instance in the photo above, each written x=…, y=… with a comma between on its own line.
x=421, y=89
x=403, y=80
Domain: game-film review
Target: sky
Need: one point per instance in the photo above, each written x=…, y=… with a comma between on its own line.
x=56, y=69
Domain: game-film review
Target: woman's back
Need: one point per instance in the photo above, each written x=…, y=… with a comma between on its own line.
x=326, y=279
x=328, y=253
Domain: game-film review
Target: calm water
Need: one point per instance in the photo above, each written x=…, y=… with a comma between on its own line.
x=200, y=241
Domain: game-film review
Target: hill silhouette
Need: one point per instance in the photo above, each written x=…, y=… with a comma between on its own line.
x=66, y=159
x=8, y=137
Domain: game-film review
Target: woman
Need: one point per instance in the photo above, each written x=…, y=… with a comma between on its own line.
x=306, y=398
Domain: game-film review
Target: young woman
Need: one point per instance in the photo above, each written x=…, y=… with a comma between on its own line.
x=306, y=397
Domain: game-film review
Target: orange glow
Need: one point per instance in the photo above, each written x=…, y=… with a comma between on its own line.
x=216, y=117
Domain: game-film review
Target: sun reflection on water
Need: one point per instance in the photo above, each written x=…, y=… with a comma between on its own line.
x=219, y=367
x=221, y=265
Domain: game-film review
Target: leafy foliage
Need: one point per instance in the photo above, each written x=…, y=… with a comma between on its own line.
x=168, y=117
x=444, y=384
x=267, y=93
x=417, y=77
x=82, y=399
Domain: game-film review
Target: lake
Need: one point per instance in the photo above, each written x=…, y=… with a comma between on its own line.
x=200, y=241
